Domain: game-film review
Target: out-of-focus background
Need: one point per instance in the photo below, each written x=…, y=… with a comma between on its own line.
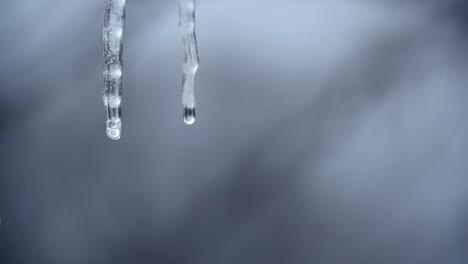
x=327, y=132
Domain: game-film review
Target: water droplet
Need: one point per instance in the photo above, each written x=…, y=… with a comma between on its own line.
x=113, y=133
x=189, y=115
x=114, y=128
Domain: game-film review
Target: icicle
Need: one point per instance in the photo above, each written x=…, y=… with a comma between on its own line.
x=114, y=21
x=190, y=63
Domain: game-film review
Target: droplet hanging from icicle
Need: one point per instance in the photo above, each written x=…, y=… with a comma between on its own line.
x=114, y=21
x=191, y=60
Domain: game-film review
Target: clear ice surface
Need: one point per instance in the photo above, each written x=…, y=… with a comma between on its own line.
x=114, y=21
x=190, y=62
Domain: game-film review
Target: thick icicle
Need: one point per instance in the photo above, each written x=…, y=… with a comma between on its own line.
x=190, y=63
x=114, y=21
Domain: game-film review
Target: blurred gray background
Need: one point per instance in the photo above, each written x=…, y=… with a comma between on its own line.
x=328, y=132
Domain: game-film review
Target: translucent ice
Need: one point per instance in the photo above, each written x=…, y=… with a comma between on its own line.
x=190, y=62
x=114, y=21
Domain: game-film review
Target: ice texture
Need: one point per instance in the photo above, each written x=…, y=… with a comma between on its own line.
x=114, y=21
x=191, y=60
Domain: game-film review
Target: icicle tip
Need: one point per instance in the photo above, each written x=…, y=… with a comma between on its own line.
x=189, y=115
x=114, y=128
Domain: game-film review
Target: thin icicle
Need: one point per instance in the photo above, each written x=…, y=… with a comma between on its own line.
x=114, y=21
x=190, y=63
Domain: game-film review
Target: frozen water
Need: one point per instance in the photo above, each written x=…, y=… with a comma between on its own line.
x=190, y=62
x=114, y=21
x=189, y=115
